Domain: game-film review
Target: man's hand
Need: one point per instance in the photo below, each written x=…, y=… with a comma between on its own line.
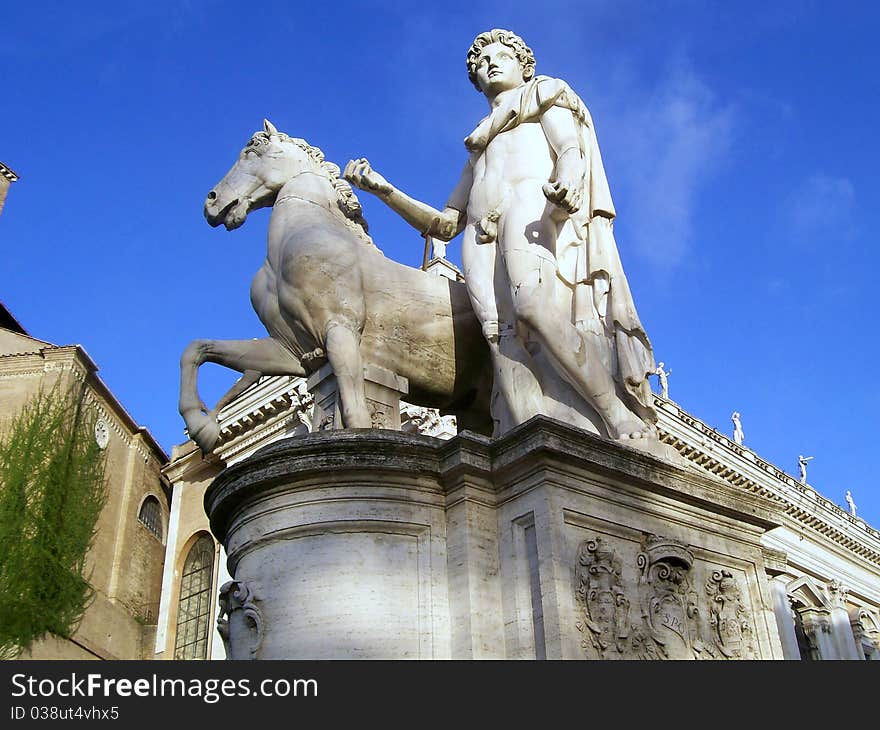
x=567, y=195
x=361, y=175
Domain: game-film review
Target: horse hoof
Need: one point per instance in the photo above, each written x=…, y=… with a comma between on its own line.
x=206, y=434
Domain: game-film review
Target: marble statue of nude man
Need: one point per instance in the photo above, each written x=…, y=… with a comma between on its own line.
x=538, y=253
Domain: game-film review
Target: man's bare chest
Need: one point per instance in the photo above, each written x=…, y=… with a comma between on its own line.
x=521, y=152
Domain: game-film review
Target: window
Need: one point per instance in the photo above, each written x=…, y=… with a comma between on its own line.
x=151, y=516
x=194, y=606
x=805, y=646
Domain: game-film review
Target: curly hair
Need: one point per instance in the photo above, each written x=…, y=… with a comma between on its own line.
x=346, y=199
x=510, y=39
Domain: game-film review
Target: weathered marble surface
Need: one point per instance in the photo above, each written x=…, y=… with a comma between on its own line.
x=538, y=252
x=547, y=542
x=328, y=296
x=544, y=323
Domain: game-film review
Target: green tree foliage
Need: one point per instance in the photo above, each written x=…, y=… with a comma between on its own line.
x=51, y=494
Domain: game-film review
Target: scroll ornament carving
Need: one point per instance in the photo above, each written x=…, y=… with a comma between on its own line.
x=381, y=415
x=668, y=603
x=671, y=620
x=303, y=403
x=603, y=602
x=838, y=593
x=728, y=619
x=424, y=419
x=813, y=624
x=427, y=421
x=327, y=422
x=240, y=623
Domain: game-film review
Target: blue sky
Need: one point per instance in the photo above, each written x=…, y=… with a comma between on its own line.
x=738, y=138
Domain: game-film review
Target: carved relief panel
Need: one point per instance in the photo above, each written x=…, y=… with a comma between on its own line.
x=600, y=592
x=653, y=604
x=668, y=603
x=728, y=618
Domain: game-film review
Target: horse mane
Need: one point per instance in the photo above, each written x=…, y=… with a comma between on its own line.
x=346, y=199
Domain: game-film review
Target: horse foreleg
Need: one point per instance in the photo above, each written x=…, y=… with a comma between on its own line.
x=253, y=358
x=343, y=352
x=248, y=378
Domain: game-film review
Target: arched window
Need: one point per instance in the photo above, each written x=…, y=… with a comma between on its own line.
x=151, y=516
x=194, y=605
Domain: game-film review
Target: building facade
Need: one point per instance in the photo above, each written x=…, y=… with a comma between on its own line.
x=822, y=564
x=7, y=177
x=277, y=407
x=124, y=564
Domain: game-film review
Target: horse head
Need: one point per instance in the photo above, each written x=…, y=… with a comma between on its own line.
x=266, y=163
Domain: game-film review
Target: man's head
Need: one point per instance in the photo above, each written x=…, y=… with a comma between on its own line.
x=523, y=53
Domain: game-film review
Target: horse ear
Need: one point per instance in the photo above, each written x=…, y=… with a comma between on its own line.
x=268, y=127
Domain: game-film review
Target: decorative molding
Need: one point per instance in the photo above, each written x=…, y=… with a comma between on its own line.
x=815, y=621
x=240, y=623
x=8, y=173
x=668, y=602
x=673, y=621
x=837, y=593
x=715, y=453
x=775, y=561
x=604, y=605
x=803, y=591
x=270, y=407
x=728, y=618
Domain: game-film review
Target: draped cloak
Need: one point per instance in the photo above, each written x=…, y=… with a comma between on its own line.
x=586, y=251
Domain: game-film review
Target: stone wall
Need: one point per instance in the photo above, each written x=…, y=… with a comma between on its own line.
x=124, y=564
x=394, y=545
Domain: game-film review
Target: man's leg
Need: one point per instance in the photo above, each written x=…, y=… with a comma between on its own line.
x=531, y=269
x=516, y=393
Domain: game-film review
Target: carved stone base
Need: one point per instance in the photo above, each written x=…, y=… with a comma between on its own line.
x=546, y=543
x=383, y=390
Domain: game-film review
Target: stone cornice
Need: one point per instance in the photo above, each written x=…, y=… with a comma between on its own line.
x=188, y=464
x=522, y=449
x=8, y=173
x=262, y=410
x=742, y=467
x=74, y=359
x=551, y=451
x=8, y=320
x=265, y=409
x=317, y=455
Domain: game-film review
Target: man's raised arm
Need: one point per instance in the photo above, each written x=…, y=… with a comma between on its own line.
x=421, y=216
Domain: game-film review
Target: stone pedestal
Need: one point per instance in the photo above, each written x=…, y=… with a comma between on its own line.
x=382, y=388
x=546, y=543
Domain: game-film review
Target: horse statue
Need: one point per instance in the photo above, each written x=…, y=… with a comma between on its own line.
x=326, y=293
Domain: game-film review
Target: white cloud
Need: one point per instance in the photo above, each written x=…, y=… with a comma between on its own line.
x=668, y=140
x=822, y=207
